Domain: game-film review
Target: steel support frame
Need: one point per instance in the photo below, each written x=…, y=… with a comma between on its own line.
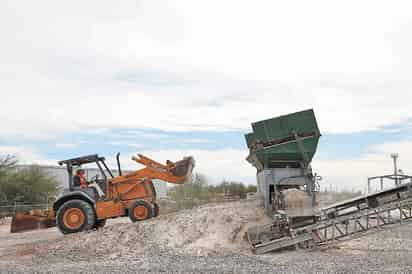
x=343, y=228
x=368, y=220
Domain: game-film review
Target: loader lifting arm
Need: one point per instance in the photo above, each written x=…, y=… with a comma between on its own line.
x=175, y=173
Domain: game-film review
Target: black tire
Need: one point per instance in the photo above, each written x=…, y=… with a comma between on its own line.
x=156, y=210
x=100, y=224
x=143, y=205
x=78, y=206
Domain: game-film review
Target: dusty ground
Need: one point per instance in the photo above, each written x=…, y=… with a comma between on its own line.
x=207, y=239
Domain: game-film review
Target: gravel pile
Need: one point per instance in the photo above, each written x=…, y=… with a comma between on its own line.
x=205, y=230
x=208, y=239
x=295, y=198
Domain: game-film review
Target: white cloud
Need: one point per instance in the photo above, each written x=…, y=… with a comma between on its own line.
x=353, y=173
x=201, y=66
x=230, y=164
x=66, y=145
x=212, y=65
x=217, y=165
x=26, y=155
x=350, y=174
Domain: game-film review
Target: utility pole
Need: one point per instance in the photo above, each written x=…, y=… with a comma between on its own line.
x=395, y=157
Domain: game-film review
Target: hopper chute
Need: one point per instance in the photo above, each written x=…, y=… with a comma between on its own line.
x=283, y=140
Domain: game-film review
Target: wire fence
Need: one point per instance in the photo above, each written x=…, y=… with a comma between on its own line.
x=10, y=210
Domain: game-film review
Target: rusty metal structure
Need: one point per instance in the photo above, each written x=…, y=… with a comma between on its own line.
x=281, y=149
x=345, y=221
x=34, y=219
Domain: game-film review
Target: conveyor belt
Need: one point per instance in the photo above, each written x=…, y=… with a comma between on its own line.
x=369, y=200
x=349, y=219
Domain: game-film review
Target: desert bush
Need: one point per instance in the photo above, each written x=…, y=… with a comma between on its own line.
x=200, y=192
x=29, y=185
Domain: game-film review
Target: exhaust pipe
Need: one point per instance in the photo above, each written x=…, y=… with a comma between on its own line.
x=118, y=163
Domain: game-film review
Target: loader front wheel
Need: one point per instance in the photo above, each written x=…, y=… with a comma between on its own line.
x=75, y=216
x=140, y=210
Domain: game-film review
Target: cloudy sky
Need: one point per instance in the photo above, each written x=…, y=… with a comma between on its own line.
x=175, y=78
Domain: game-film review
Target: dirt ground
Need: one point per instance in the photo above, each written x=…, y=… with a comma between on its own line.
x=207, y=239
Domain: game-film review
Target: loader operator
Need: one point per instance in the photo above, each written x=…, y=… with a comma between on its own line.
x=79, y=180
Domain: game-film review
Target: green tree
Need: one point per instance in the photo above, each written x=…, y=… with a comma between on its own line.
x=232, y=188
x=7, y=166
x=32, y=183
x=191, y=193
x=251, y=188
x=198, y=191
x=190, y=190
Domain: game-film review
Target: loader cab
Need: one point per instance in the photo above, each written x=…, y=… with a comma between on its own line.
x=97, y=171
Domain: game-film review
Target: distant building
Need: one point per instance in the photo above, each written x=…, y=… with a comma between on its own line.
x=61, y=175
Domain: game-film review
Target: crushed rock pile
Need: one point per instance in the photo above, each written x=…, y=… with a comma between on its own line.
x=295, y=198
x=204, y=230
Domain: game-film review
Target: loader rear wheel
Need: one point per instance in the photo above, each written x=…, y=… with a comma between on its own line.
x=75, y=216
x=140, y=210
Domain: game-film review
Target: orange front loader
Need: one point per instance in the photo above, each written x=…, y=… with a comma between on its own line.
x=108, y=196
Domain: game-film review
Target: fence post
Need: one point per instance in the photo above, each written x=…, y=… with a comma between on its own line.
x=15, y=203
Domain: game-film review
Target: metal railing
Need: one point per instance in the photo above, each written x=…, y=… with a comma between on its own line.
x=395, y=179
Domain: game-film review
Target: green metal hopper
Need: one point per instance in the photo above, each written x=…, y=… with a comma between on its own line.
x=282, y=140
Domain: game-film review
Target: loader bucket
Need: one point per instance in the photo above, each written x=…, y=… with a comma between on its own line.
x=31, y=221
x=184, y=168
